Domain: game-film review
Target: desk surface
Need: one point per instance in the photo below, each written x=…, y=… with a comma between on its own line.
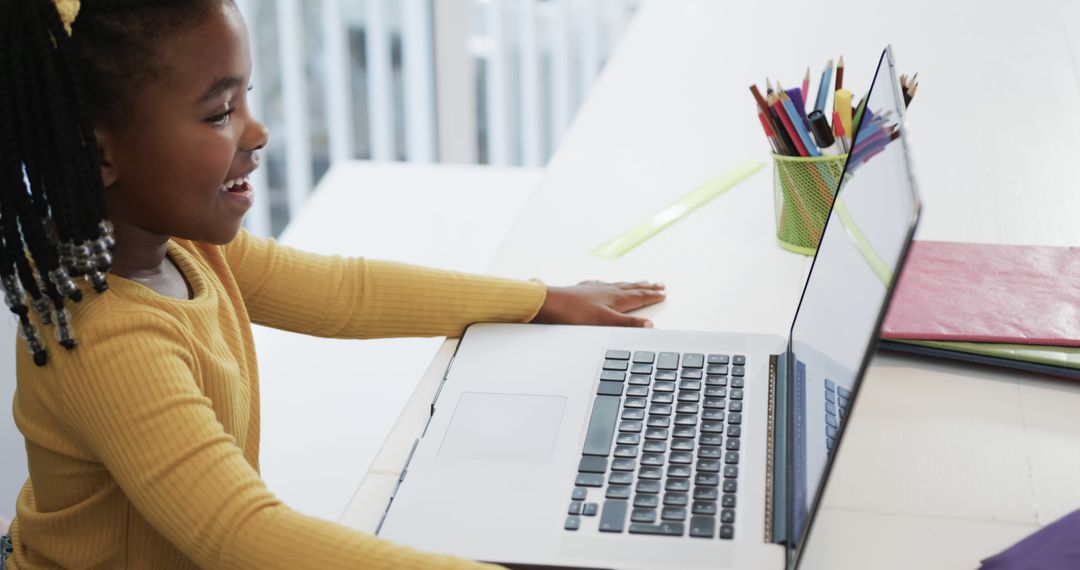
x=943, y=463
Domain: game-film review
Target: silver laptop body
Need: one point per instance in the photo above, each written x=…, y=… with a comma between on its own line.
x=534, y=423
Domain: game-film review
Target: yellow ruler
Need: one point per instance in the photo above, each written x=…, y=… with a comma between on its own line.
x=620, y=245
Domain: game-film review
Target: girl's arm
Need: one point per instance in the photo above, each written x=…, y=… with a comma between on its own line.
x=132, y=397
x=358, y=298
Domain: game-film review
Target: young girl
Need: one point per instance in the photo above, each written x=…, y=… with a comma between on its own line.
x=125, y=148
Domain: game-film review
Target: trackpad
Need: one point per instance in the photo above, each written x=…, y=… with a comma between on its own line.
x=503, y=427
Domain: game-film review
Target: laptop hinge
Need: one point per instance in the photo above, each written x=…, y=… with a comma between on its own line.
x=438, y=391
x=401, y=477
x=776, y=453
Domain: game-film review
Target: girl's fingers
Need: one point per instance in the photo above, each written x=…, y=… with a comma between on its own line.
x=638, y=285
x=620, y=320
x=636, y=298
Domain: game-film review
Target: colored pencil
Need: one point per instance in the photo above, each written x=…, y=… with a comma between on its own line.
x=840, y=74
x=806, y=86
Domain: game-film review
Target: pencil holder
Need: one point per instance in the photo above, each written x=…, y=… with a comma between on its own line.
x=803, y=191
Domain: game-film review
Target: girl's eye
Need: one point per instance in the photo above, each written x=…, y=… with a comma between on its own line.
x=221, y=119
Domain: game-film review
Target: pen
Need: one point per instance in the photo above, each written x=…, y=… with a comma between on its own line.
x=823, y=135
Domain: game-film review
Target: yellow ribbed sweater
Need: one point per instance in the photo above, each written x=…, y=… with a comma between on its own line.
x=143, y=442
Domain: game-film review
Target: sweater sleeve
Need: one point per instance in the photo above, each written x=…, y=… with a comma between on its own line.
x=132, y=397
x=359, y=298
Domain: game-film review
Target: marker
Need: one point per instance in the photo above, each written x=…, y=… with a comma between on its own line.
x=823, y=135
x=842, y=106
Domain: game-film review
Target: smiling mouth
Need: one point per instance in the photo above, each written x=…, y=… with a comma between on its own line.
x=237, y=185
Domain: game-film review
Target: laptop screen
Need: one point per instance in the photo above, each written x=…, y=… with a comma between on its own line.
x=836, y=325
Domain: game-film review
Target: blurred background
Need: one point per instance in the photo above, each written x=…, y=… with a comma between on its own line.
x=493, y=82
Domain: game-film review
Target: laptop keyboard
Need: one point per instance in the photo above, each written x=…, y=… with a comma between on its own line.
x=661, y=452
x=837, y=402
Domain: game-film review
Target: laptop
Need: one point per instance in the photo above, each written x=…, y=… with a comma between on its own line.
x=606, y=447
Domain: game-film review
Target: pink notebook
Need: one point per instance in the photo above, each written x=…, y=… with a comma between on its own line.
x=987, y=293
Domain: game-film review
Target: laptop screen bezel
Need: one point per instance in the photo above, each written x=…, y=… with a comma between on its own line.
x=795, y=548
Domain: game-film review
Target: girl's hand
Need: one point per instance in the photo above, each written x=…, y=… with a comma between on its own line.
x=599, y=303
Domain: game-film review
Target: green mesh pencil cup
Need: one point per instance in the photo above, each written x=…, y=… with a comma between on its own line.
x=803, y=192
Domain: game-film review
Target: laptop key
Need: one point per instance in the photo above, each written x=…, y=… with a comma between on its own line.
x=617, y=355
x=590, y=509
x=668, y=361
x=702, y=526
x=708, y=466
x=734, y=431
x=664, y=386
x=716, y=380
x=652, y=459
x=708, y=452
x=716, y=403
x=632, y=414
x=625, y=451
x=718, y=369
x=612, y=376
x=647, y=501
x=718, y=359
x=682, y=444
x=654, y=446
x=738, y=359
x=687, y=408
x=647, y=487
x=637, y=390
x=685, y=420
x=628, y=439
x=715, y=392
x=659, y=421
x=641, y=369
x=617, y=492
x=735, y=406
x=711, y=439
x=690, y=374
x=643, y=515
x=644, y=357
x=621, y=365
x=681, y=457
x=707, y=479
x=662, y=398
x=613, y=517
x=592, y=464
x=589, y=480
x=730, y=485
x=731, y=457
x=602, y=425
x=664, y=528
x=689, y=396
x=609, y=389
x=711, y=427
x=660, y=409
x=733, y=444
x=736, y=394
x=666, y=375
x=728, y=501
x=727, y=532
x=575, y=508
x=678, y=474
x=706, y=493
x=738, y=371
x=656, y=433
x=731, y=471
x=673, y=513
x=631, y=426
x=713, y=415
x=704, y=508
x=648, y=472
x=640, y=380
x=572, y=522
x=634, y=402
x=579, y=494
x=693, y=360
x=623, y=464
x=685, y=431
x=690, y=385
x=727, y=516
x=738, y=382
x=676, y=499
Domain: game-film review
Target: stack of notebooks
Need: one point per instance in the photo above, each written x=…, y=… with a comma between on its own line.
x=1003, y=305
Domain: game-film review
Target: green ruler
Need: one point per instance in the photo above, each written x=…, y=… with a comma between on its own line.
x=620, y=245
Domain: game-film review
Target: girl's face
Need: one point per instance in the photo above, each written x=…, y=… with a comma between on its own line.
x=169, y=171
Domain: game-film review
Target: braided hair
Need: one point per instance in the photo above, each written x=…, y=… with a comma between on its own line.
x=66, y=65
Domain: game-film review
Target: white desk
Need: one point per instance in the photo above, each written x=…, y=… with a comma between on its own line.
x=943, y=464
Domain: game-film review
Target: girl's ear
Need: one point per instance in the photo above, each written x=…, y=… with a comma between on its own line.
x=106, y=152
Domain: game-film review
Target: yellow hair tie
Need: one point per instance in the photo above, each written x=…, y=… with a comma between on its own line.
x=69, y=10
